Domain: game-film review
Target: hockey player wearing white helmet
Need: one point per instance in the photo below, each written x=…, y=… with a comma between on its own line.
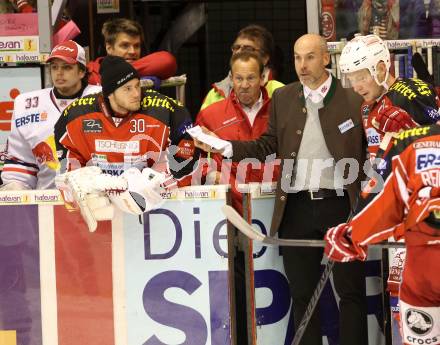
x=390, y=104
x=31, y=161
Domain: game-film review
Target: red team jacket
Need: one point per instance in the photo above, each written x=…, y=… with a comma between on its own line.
x=159, y=64
x=227, y=120
x=399, y=209
x=87, y=134
x=416, y=97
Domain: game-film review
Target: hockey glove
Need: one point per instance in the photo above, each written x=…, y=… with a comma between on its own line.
x=339, y=246
x=396, y=270
x=142, y=193
x=22, y=6
x=392, y=119
x=84, y=188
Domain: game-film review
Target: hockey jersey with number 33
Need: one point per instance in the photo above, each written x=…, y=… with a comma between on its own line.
x=31, y=156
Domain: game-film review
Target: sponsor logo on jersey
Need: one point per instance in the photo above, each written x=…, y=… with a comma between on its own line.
x=117, y=146
x=92, y=126
x=30, y=118
x=404, y=89
x=47, y=198
x=114, y=169
x=184, y=127
x=229, y=120
x=345, y=126
x=426, y=144
x=427, y=159
x=98, y=158
x=418, y=321
x=373, y=138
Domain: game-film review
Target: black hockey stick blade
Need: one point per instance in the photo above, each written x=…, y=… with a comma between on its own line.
x=420, y=67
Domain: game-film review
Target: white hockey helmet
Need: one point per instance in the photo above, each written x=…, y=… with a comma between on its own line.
x=364, y=52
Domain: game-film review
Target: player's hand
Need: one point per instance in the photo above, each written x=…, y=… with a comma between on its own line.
x=393, y=119
x=339, y=246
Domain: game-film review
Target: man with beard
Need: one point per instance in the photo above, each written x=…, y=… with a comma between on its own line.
x=120, y=128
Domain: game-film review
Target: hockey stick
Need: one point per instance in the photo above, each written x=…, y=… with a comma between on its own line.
x=421, y=69
x=251, y=232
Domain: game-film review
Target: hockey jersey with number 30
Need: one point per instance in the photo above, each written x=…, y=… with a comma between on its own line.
x=418, y=98
x=31, y=155
x=154, y=136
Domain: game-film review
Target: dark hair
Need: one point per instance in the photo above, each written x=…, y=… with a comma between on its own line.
x=260, y=34
x=85, y=79
x=246, y=56
x=112, y=27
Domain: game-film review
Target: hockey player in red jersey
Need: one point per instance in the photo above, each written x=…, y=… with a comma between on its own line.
x=407, y=207
x=390, y=104
x=123, y=37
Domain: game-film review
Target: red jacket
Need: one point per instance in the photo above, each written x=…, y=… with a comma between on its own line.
x=159, y=64
x=228, y=120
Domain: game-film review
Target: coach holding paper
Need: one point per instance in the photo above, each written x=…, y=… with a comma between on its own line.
x=314, y=124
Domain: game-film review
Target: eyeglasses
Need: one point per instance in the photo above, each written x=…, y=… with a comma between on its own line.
x=244, y=47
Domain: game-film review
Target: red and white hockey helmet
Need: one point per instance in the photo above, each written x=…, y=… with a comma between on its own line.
x=364, y=52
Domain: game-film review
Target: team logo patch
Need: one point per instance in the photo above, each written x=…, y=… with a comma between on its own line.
x=185, y=126
x=427, y=159
x=418, y=321
x=92, y=126
x=45, y=153
x=365, y=110
x=345, y=126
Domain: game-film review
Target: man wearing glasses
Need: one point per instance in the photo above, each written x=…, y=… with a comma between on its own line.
x=252, y=38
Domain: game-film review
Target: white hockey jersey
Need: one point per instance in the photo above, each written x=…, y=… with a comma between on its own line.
x=31, y=154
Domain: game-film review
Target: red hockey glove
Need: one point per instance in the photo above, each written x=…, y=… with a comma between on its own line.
x=339, y=246
x=392, y=119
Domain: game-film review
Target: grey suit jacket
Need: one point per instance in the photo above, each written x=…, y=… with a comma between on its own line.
x=286, y=125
